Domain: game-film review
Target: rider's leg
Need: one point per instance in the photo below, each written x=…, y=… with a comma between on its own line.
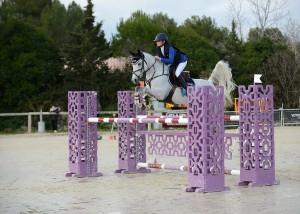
x=178, y=74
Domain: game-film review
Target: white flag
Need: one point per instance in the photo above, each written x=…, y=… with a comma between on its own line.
x=257, y=78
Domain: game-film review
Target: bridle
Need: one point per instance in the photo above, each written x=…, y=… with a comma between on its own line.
x=136, y=60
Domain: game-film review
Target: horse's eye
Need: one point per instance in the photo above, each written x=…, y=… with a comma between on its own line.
x=139, y=63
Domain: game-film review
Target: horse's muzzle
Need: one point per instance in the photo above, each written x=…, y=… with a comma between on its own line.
x=135, y=81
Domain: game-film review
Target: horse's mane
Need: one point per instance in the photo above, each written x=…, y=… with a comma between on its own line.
x=152, y=58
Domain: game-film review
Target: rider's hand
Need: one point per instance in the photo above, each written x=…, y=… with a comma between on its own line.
x=157, y=58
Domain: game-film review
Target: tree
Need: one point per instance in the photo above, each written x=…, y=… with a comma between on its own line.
x=283, y=71
x=233, y=52
x=233, y=45
x=268, y=13
x=205, y=27
x=255, y=54
x=202, y=55
x=53, y=22
x=28, y=11
x=139, y=31
x=85, y=56
x=29, y=67
x=273, y=33
x=292, y=30
x=237, y=15
x=202, y=41
x=73, y=18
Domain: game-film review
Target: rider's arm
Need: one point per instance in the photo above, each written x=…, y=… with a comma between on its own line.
x=169, y=60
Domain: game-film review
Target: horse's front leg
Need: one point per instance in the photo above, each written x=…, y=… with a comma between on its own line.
x=146, y=93
x=137, y=97
x=154, y=92
x=142, y=97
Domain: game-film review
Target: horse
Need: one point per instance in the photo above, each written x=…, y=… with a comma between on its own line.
x=158, y=85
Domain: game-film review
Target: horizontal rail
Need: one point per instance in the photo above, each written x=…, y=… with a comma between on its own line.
x=49, y=113
x=138, y=120
x=151, y=119
x=181, y=168
x=226, y=117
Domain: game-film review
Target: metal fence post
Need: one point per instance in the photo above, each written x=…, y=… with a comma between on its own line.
x=29, y=122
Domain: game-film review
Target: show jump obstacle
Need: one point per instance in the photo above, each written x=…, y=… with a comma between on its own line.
x=203, y=143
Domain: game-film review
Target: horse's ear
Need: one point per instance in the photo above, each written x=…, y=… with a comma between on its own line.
x=132, y=54
x=140, y=53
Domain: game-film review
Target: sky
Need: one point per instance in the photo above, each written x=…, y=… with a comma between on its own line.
x=111, y=11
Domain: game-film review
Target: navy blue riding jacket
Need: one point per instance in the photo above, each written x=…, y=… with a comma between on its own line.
x=171, y=56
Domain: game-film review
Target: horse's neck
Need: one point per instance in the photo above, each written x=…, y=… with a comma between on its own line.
x=157, y=81
x=158, y=72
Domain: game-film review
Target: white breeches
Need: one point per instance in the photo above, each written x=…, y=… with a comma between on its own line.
x=180, y=68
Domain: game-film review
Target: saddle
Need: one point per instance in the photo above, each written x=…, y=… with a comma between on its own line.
x=174, y=81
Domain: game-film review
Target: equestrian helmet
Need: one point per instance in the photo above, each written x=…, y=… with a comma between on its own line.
x=160, y=37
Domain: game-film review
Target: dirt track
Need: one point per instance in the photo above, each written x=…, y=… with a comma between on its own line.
x=32, y=181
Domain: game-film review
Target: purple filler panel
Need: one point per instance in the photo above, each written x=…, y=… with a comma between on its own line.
x=206, y=139
x=82, y=136
x=229, y=140
x=167, y=143
x=257, y=152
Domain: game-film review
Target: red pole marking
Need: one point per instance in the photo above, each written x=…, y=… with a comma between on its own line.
x=175, y=120
x=185, y=168
x=154, y=165
x=227, y=172
x=226, y=117
x=161, y=120
x=135, y=120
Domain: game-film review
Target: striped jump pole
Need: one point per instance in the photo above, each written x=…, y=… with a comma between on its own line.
x=140, y=119
x=180, y=168
x=162, y=166
x=232, y=172
x=161, y=116
x=226, y=117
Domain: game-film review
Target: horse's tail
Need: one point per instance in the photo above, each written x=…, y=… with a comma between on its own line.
x=222, y=76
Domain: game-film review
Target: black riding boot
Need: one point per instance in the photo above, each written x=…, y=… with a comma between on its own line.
x=182, y=81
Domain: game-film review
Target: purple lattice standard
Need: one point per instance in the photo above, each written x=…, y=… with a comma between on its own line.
x=132, y=147
x=206, y=139
x=256, y=128
x=82, y=136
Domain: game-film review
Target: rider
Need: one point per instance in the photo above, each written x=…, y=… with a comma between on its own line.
x=170, y=55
